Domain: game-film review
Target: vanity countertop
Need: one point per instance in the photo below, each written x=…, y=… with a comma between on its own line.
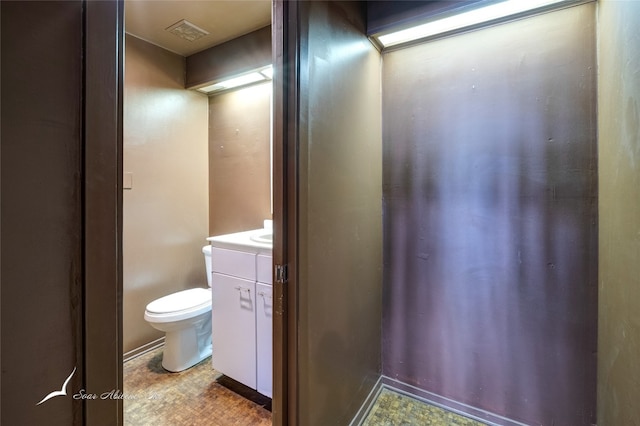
x=252, y=241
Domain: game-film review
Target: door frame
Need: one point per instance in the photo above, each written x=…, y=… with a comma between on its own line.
x=285, y=189
x=102, y=204
x=102, y=207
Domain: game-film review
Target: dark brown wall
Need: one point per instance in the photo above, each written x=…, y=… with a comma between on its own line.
x=41, y=210
x=490, y=188
x=619, y=183
x=236, y=56
x=239, y=159
x=340, y=213
x=102, y=325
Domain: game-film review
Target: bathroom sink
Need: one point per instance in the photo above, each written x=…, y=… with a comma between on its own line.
x=255, y=240
x=264, y=236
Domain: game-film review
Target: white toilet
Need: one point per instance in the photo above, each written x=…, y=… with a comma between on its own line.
x=186, y=318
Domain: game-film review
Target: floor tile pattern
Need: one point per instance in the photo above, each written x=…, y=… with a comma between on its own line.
x=200, y=396
x=194, y=397
x=394, y=409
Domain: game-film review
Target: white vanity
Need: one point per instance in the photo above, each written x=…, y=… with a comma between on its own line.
x=242, y=307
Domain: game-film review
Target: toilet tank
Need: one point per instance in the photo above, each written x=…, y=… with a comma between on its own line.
x=206, y=250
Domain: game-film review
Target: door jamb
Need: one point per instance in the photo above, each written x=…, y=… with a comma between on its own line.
x=285, y=174
x=102, y=208
x=104, y=77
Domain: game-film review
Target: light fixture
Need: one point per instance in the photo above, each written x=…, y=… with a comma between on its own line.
x=267, y=72
x=488, y=13
x=262, y=74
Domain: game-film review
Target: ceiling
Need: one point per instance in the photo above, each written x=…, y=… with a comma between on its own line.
x=224, y=20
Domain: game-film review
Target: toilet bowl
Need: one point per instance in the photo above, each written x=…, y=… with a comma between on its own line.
x=185, y=317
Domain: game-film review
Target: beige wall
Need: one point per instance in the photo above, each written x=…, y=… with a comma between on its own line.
x=166, y=212
x=239, y=159
x=619, y=210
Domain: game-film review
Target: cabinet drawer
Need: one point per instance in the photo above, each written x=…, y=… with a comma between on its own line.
x=265, y=267
x=232, y=262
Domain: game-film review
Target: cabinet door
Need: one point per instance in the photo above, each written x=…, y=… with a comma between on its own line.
x=233, y=310
x=264, y=319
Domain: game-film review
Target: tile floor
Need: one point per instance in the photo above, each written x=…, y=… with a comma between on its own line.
x=394, y=409
x=194, y=397
x=201, y=396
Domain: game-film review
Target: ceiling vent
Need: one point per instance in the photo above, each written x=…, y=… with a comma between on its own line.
x=186, y=30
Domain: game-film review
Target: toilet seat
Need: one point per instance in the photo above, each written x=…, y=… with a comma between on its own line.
x=178, y=306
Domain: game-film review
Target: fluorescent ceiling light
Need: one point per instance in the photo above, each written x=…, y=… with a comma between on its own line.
x=463, y=20
x=263, y=74
x=231, y=83
x=267, y=72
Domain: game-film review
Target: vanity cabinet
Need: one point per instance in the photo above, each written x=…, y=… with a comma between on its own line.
x=242, y=310
x=264, y=327
x=234, y=328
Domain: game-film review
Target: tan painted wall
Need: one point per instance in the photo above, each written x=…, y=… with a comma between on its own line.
x=166, y=212
x=237, y=56
x=239, y=159
x=619, y=210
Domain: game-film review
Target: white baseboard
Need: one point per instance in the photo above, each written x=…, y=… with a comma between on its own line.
x=134, y=353
x=367, y=404
x=448, y=404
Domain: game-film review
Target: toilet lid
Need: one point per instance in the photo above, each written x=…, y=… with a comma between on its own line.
x=181, y=301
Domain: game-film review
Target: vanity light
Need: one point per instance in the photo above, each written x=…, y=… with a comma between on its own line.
x=267, y=72
x=263, y=74
x=487, y=13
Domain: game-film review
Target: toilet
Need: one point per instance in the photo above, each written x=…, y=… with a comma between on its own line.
x=185, y=317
